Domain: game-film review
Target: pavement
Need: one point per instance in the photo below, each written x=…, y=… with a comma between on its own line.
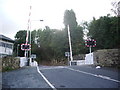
x=26, y=77
x=59, y=77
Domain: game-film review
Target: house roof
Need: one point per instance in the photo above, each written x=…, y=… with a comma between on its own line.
x=4, y=38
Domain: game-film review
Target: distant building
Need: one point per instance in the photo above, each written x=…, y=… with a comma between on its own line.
x=6, y=46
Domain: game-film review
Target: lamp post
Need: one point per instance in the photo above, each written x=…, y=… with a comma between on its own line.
x=71, y=57
x=30, y=34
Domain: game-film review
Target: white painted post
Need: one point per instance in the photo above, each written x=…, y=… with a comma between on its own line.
x=90, y=49
x=70, y=45
x=68, y=60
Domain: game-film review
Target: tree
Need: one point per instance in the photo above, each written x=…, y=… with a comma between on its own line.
x=77, y=41
x=20, y=38
x=76, y=32
x=70, y=19
x=58, y=43
x=44, y=37
x=106, y=32
x=116, y=8
x=53, y=42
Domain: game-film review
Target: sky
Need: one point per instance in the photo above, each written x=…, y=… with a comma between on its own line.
x=14, y=14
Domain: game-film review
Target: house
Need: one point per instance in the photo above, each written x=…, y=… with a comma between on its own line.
x=6, y=46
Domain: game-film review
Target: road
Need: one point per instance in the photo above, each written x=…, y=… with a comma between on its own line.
x=55, y=77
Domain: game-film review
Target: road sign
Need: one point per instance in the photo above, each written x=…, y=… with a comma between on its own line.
x=26, y=47
x=67, y=53
x=90, y=43
x=33, y=56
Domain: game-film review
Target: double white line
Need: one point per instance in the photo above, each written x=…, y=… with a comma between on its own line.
x=46, y=79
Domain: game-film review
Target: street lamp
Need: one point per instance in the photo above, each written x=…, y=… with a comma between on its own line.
x=30, y=33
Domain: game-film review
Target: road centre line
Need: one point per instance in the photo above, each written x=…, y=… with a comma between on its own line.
x=100, y=76
x=46, y=79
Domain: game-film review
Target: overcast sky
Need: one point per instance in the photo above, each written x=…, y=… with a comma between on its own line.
x=14, y=13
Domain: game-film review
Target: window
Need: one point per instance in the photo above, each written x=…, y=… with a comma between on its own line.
x=6, y=45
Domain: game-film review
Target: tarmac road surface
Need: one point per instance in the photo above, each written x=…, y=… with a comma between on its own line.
x=55, y=77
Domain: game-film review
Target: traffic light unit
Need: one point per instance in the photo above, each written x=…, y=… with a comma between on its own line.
x=26, y=47
x=90, y=43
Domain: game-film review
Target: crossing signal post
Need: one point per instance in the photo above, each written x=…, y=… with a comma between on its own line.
x=26, y=48
x=90, y=43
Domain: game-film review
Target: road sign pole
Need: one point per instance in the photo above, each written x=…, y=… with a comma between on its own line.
x=68, y=60
x=90, y=49
x=25, y=53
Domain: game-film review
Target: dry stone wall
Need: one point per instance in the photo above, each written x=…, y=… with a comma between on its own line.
x=107, y=57
x=9, y=63
x=79, y=57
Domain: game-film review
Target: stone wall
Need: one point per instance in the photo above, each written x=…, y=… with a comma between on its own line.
x=61, y=62
x=107, y=57
x=9, y=63
x=79, y=57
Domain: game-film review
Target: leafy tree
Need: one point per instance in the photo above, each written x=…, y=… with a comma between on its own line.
x=58, y=43
x=44, y=37
x=51, y=44
x=116, y=8
x=20, y=38
x=77, y=41
x=106, y=31
x=70, y=19
x=76, y=32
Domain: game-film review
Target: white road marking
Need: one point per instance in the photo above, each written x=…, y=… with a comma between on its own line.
x=46, y=79
x=100, y=76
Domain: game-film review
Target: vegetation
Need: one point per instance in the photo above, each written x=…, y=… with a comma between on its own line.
x=106, y=32
x=51, y=44
x=19, y=39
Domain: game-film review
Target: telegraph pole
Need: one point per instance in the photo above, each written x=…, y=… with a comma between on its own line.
x=71, y=57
